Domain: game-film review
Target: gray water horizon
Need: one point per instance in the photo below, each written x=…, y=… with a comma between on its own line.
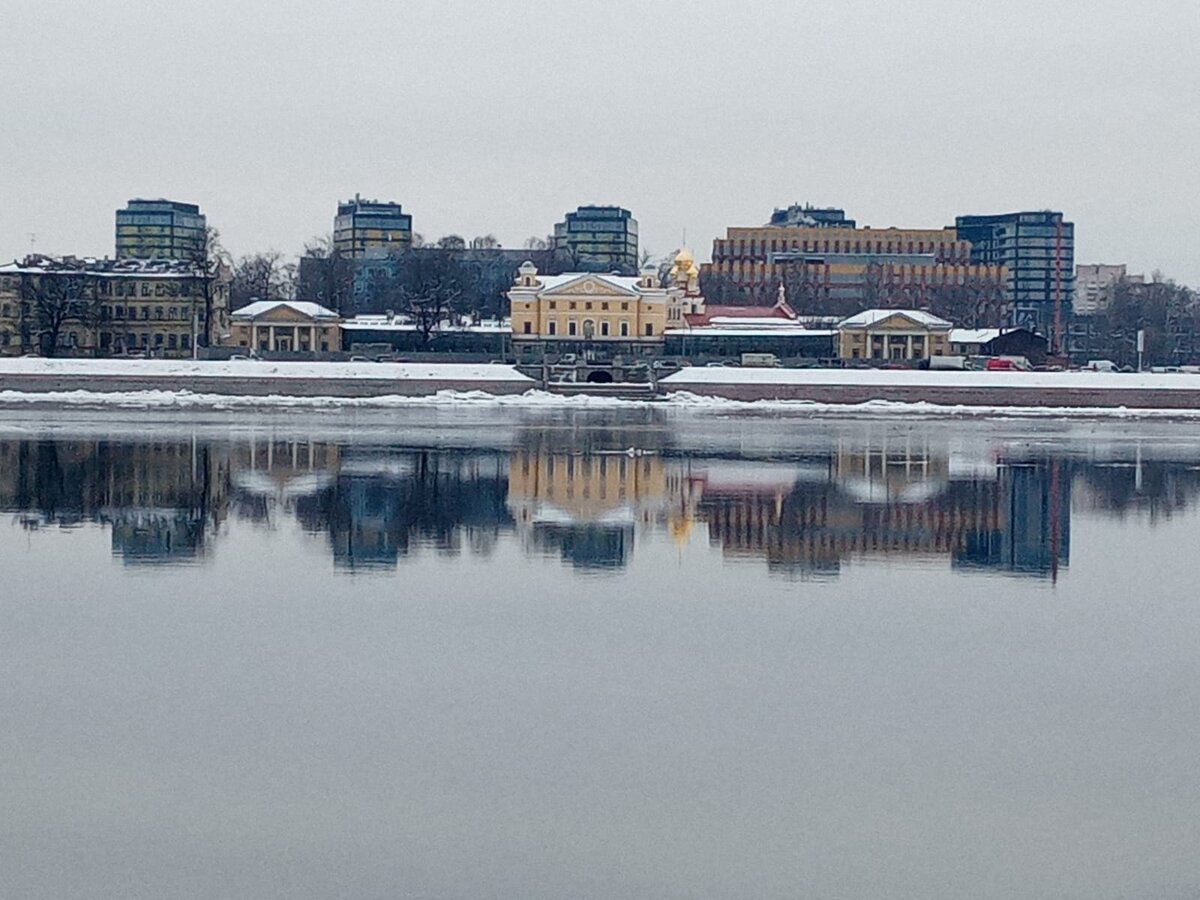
x=601, y=653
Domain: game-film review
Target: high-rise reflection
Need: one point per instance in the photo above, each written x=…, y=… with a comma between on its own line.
x=587, y=495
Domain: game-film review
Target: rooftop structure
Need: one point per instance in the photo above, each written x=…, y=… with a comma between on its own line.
x=810, y=217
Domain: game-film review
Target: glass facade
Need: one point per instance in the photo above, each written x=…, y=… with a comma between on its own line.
x=362, y=225
x=598, y=239
x=1038, y=248
x=160, y=229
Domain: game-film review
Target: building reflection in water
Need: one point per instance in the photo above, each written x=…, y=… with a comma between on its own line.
x=586, y=496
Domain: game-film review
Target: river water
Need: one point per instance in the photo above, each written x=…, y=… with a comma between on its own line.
x=490, y=652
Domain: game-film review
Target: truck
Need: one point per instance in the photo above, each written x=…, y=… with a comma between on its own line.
x=760, y=360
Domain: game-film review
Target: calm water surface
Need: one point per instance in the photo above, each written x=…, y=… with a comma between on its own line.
x=639, y=653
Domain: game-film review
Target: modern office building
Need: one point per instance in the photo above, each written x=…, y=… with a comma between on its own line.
x=1037, y=250
x=831, y=269
x=160, y=229
x=362, y=225
x=598, y=239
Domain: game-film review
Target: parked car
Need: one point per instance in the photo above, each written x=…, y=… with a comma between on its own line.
x=1100, y=365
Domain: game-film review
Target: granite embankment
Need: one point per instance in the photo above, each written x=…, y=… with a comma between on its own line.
x=253, y=378
x=1012, y=389
x=256, y=378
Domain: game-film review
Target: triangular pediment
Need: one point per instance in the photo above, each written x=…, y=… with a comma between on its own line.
x=899, y=321
x=282, y=314
x=589, y=286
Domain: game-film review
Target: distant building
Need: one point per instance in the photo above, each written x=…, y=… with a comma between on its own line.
x=1093, y=285
x=797, y=216
x=87, y=307
x=999, y=342
x=1037, y=251
x=376, y=282
x=160, y=229
x=830, y=268
x=362, y=225
x=598, y=239
x=287, y=326
x=582, y=311
x=893, y=334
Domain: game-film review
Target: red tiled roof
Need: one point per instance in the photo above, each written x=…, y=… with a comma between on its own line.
x=711, y=312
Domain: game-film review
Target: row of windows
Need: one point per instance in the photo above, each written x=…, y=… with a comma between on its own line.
x=183, y=313
x=756, y=247
x=145, y=341
x=587, y=329
x=574, y=304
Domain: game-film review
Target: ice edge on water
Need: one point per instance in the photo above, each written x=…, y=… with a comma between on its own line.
x=681, y=400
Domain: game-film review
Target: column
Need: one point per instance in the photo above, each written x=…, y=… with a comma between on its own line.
x=312, y=338
x=908, y=347
x=270, y=337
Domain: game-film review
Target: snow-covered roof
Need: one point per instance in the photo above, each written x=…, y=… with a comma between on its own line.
x=869, y=317
x=403, y=323
x=304, y=307
x=102, y=267
x=974, y=335
x=766, y=331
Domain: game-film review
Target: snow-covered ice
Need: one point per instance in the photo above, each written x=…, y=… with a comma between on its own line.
x=251, y=369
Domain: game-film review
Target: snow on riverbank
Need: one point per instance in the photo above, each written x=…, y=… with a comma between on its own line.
x=252, y=369
x=681, y=402
x=694, y=376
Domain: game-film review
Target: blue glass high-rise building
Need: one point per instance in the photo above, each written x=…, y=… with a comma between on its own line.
x=1038, y=250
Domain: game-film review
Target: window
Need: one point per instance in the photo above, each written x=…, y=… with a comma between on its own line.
x=624, y=307
x=572, y=327
x=553, y=304
x=551, y=328
x=604, y=329
x=185, y=341
x=604, y=305
x=624, y=329
x=158, y=340
x=649, y=330
x=145, y=289
x=171, y=342
x=572, y=304
x=528, y=328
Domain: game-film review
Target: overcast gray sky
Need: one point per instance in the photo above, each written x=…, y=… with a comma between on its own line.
x=499, y=116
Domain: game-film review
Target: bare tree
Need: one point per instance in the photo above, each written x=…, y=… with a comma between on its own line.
x=451, y=242
x=485, y=242
x=537, y=243
x=258, y=276
x=325, y=275
x=211, y=266
x=55, y=300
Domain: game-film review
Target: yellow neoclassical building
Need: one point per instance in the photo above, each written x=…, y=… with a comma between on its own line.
x=893, y=334
x=581, y=311
x=287, y=326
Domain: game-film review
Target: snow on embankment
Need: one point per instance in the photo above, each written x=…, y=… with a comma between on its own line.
x=1032, y=389
x=257, y=378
